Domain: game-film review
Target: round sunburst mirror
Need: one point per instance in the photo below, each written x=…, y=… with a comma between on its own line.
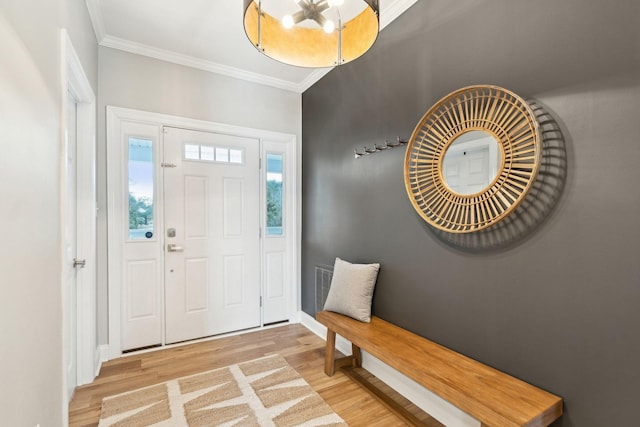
x=472, y=158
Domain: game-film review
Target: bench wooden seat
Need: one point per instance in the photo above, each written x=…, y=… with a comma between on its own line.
x=493, y=397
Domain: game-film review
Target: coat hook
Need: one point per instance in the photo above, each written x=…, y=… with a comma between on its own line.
x=370, y=150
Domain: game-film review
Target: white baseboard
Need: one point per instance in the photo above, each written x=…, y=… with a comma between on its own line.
x=97, y=360
x=104, y=353
x=434, y=405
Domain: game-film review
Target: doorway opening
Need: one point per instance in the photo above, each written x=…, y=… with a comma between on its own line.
x=202, y=229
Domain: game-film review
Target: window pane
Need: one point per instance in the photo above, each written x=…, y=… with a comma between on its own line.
x=140, y=189
x=206, y=153
x=235, y=156
x=191, y=152
x=274, y=195
x=222, y=155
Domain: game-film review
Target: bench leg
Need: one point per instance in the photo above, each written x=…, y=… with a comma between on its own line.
x=356, y=355
x=329, y=354
x=330, y=361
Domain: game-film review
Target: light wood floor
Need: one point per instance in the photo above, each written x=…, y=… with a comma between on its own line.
x=303, y=350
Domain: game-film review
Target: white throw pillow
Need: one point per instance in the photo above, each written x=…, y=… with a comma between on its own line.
x=351, y=289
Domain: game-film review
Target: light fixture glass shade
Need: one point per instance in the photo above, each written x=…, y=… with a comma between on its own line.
x=307, y=43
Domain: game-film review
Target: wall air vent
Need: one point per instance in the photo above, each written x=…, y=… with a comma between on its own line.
x=323, y=282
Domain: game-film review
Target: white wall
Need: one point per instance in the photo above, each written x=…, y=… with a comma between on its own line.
x=31, y=349
x=141, y=83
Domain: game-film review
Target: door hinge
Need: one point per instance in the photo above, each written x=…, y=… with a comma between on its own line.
x=168, y=165
x=260, y=301
x=260, y=232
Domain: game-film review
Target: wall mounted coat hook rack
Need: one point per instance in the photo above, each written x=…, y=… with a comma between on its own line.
x=370, y=150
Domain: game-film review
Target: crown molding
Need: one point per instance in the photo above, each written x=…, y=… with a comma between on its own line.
x=387, y=16
x=199, y=63
x=313, y=77
x=394, y=9
x=97, y=20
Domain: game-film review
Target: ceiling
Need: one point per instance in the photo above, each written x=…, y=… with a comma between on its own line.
x=204, y=34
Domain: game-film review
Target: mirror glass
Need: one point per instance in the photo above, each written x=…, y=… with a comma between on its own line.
x=471, y=162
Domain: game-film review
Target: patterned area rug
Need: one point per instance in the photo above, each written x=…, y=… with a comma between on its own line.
x=262, y=392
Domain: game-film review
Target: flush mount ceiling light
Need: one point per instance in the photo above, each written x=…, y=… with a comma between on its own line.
x=312, y=33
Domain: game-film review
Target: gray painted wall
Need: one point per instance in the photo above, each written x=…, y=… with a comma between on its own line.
x=557, y=304
x=31, y=313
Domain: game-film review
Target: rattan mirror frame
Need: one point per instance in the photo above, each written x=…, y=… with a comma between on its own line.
x=495, y=110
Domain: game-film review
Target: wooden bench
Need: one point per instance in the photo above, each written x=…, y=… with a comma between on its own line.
x=492, y=397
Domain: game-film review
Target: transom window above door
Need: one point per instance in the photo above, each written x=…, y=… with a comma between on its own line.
x=209, y=153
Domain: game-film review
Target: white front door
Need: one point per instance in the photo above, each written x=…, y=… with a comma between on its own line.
x=211, y=233
x=206, y=194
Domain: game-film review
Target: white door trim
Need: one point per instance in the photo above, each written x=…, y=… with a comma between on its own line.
x=115, y=116
x=75, y=81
